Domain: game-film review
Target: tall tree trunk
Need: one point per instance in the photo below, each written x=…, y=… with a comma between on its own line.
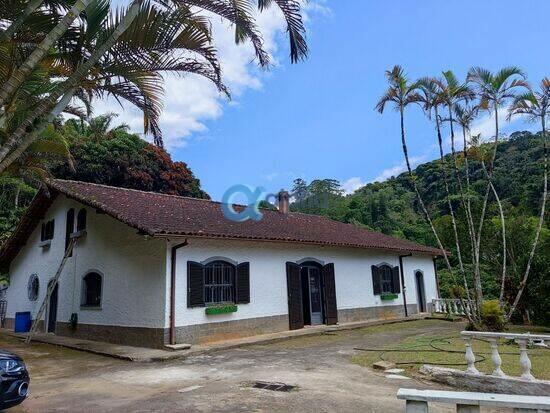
x=37, y=131
x=16, y=200
x=19, y=75
x=449, y=203
x=539, y=226
x=421, y=201
x=477, y=274
x=31, y=6
x=469, y=216
x=503, y=224
x=48, y=104
x=467, y=211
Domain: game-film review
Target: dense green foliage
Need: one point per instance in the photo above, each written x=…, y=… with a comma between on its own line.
x=391, y=207
x=99, y=155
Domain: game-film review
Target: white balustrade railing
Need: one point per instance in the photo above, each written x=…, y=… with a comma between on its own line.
x=453, y=306
x=470, y=402
x=522, y=340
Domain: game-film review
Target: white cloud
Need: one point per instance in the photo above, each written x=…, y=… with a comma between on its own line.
x=485, y=126
x=191, y=101
x=397, y=169
x=352, y=184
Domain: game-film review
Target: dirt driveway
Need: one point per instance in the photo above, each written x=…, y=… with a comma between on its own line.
x=320, y=367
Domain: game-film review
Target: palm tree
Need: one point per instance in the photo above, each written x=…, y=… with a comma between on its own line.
x=432, y=98
x=454, y=93
x=21, y=16
x=99, y=128
x=19, y=75
x=139, y=87
x=402, y=93
x=536, y=106
x=494, y=90
x=464, y=116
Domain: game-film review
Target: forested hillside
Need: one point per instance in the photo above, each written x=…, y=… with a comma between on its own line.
x=391, y=207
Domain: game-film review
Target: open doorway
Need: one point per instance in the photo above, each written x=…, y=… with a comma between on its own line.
x=312, y=297
x=311, y=294
x=420, y=293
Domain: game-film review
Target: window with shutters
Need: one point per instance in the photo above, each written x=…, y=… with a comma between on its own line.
x=69, y=228
x=47, y=230
x=81, y=220
x=91, y=290
x=386, y=281
x=219, y=282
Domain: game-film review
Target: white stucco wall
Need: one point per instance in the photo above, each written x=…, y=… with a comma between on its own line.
x=133, y=292
x=268, y=293
x=426, y=266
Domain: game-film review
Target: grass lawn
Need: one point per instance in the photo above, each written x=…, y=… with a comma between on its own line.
x=448, y=350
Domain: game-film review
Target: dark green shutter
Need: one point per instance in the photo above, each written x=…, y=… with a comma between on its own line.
x=395, y=280
x=376, y=287
x=242, y=287
x=294, y=290
x=329, y=286
x=195, y=284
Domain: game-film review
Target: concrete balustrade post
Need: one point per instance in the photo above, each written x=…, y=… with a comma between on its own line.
x=524, y=361
x=495, y=357
x=470, y=357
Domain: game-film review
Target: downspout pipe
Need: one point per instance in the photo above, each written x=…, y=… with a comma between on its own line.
x=403, y=282
x=173, y=258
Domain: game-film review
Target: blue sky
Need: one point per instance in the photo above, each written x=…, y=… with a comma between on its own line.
x=316, y=119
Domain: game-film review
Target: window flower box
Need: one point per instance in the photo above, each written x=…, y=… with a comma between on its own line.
x=221, y=309
x=388, y=297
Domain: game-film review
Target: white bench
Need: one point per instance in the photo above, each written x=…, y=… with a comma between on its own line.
x=470, y=402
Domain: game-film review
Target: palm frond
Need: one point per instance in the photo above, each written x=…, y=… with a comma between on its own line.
x=227, y=11
x=295, y=28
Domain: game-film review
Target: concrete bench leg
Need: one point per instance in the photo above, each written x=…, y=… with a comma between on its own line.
x=414, y=406
x=467, y=408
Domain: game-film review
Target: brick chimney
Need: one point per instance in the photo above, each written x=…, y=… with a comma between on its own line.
x=283, y=200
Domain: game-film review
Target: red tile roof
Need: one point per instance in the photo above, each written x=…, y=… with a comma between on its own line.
x=160, y=214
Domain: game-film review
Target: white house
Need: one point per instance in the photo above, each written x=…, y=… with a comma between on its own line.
x=150, y=269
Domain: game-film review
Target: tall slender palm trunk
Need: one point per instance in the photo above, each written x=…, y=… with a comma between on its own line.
x=471, y=228
x=463, y=197
x=48, y=104
x=491, y=188
x=523, y=282
x=419, y=197
x=19, y=75
x=31, y=6
x=35, y=133
x=449, y=203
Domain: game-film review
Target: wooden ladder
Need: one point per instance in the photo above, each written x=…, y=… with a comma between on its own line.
x=49, y=292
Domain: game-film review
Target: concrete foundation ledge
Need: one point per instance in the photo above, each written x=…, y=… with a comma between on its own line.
x=486, y=383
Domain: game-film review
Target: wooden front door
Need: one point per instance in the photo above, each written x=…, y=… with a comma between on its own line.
x=294, y=290
x=329, y=286
x=421, y=296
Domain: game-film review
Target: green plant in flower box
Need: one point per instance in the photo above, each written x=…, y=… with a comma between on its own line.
x=221, y=309
x=388, y=297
